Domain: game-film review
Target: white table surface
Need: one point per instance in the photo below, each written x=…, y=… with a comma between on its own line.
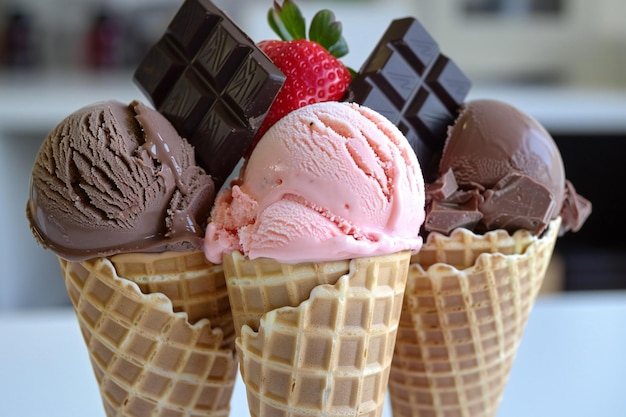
x=572, y=362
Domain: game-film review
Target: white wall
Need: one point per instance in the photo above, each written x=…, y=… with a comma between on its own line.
x=30, y=276
x=586, y=46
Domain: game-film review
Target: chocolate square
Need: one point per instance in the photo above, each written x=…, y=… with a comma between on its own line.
x=208, y=78
x=409, y=81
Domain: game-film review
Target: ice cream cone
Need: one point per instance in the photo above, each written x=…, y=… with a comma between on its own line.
x=147, y=358
x=328, y=355
x=466, y=304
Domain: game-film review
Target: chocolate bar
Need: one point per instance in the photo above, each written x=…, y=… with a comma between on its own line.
x=409, y=81
x=208, y=78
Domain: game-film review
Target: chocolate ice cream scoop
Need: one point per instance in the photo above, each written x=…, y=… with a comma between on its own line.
x=501, y=169
x=114, y=178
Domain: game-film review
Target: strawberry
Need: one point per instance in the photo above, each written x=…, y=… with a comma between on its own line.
x=311, y=66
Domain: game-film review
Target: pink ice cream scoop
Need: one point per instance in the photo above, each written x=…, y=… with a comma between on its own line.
x=328, y=181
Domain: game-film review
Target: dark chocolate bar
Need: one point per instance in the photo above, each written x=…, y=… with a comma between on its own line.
x=409, y=81
x=208, y=78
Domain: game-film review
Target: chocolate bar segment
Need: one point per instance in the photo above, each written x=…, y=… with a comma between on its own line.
x=409, y=81
x=211, y=82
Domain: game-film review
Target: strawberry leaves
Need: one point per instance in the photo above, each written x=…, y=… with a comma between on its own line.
x=287, y=21
x=326, y=31
x=289, y=24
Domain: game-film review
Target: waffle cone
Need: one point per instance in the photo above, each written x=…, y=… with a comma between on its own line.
x=147, y=358
x=466, y=304
x=330, y=354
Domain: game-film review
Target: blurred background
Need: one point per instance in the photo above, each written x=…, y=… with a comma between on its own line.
x=562, y=61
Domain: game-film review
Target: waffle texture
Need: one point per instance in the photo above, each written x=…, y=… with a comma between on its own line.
x=261, y=285
x=192, y=284
x=466, y=304
x=148, y=359
x=330, y=355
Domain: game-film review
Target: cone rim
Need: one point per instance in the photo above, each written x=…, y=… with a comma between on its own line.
x=319, y=289
x=157, y=300
x=548, y=236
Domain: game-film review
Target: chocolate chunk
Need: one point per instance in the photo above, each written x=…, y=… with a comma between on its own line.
x=444, y=218
x=410, y=82
x=208, y=78
x=443, y=187
x=517, y=201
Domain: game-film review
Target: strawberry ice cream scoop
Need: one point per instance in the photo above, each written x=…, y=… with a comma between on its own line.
x=328, y=181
